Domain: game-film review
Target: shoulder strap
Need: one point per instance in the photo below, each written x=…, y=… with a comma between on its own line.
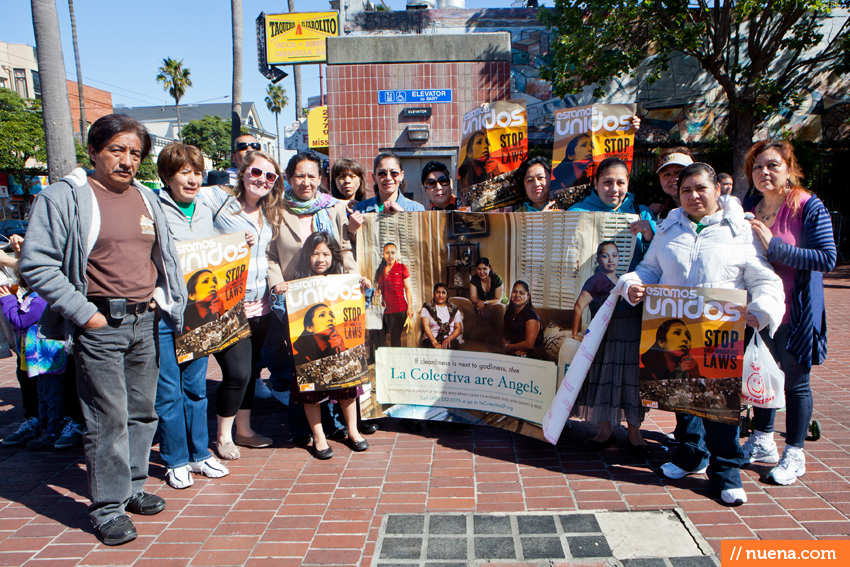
x=215, y=216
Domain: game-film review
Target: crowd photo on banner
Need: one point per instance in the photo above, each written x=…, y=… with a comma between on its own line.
x=523, y=293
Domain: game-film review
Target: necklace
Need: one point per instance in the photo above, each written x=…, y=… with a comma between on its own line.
x=766, y=218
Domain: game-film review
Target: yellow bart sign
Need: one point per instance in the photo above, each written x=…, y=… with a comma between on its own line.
x=299, y=37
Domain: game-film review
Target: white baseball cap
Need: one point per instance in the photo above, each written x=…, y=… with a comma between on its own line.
x=675, y=159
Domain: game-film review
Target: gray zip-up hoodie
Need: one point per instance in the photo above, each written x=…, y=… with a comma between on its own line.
x=64, y=225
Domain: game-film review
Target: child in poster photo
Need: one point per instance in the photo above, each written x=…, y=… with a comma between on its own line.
x=595, y=290
x=392, y=279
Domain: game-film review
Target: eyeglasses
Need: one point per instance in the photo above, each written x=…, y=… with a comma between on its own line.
x=256, y=172
x=382, y=173
x=245, y=145
x=432, y=183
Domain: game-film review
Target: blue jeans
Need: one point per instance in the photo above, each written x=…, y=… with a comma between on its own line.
x=181, y=404
x=116, y=380
x=798, y=392
x=691, y=454
x=727, y=456
x=51, y=407
x=277, y=357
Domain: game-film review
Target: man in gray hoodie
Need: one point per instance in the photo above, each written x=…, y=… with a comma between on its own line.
x=99, y=252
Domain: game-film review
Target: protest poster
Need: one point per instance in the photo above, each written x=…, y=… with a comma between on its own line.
x=327, y=331
x=216, y=271
x=586, y=135
x=692, y=351
x=494, y=141
x=476, y=380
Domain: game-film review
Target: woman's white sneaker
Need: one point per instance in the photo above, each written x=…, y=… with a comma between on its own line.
x=760, y=448
x=210, y=468
x=733, y=496
x=676, y=472
x=791, y=465
x=180, y=477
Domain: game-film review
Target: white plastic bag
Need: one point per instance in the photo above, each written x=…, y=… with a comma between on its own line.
x=763, y=383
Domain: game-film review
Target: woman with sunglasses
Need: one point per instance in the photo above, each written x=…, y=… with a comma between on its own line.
x=389, y=188
x=437, y=184
x=253, y=206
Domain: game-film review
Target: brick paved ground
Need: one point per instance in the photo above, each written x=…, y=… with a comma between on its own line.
x=282, y=507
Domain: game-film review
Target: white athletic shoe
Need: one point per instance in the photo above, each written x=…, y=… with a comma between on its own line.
x=761, y=448
x=179, y=477
x=734, y=496
x=791, y=465
x=210, y=468
x=675, y=472
x=261, y=390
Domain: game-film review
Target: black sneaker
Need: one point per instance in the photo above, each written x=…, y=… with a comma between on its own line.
x=116, y=531
x=145, y=504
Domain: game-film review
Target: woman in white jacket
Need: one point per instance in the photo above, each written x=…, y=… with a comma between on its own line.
x=707, y=242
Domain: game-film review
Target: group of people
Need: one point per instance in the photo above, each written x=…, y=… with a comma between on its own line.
x=100, y=252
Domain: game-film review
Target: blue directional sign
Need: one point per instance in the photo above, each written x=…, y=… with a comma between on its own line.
x=415, y=96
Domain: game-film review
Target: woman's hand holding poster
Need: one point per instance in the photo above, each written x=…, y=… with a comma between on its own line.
x=327, y=329
x=692, y=351
x=216, y=271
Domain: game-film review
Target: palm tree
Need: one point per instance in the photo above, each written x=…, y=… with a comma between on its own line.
x=56, y=111
x=236, y=99
x=83, y=126
x=276, y=100
x=175, y=80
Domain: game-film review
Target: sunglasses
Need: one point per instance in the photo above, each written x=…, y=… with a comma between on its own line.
x=245, y=145
x=256, y=172
x=382, y=174
x=432, y=183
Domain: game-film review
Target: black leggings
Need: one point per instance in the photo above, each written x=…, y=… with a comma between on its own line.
x=240, y=366
x=394, y=325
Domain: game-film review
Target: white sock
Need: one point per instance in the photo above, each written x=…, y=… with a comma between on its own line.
x=762, y=436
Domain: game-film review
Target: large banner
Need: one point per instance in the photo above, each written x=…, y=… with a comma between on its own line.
x=494, y=141
x=692, y=351
x=216, y=271
x=327, y=331
x=484, y=369
x=586, y=135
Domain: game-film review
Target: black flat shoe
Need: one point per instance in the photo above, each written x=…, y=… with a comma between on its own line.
x=368, y=427
x=339, y=434
x=643, y=450
x=324, y=454
x=593, y=445
x=116, y=531
x=358, y=446
x=144, y=504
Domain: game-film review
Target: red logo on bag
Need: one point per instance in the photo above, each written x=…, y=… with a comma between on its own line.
x=755, y=384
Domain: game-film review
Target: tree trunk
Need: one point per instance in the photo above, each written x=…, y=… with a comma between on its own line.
x=83, y=121
x=277, y=131
x=179, y=132
x=740, y=131
x=236, y=98
x=58, y=129
x=296, y=76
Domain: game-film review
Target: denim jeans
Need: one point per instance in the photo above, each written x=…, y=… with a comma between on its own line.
x=727, y=456
x=51, y=410
x=691, y=454
x=116, y=380
x=798, y=392
x=277, y=357
x=181, y=404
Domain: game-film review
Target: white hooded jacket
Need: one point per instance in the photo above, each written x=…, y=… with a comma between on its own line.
x=726, y=254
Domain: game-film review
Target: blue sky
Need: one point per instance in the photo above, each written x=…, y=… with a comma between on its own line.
x=122, y=44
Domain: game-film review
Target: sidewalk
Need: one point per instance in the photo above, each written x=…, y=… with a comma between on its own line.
x=281, y=507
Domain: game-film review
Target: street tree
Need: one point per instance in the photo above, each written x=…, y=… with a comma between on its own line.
x=175, y=80
x=22, y=146
x=56, y=110
x=236, y=98
x=761, y=52
x=212, y=135
x=83, y=124
x=276, y=101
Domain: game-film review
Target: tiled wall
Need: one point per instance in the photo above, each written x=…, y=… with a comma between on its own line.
x=359, y=127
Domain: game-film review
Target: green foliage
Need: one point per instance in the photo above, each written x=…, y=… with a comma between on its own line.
x=147, y=170
x=760, y=52
x=212, y=135
x=174, y=78
x=276, y=99
x=21, y=133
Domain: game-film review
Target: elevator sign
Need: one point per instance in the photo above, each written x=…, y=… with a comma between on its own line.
x=415, y=96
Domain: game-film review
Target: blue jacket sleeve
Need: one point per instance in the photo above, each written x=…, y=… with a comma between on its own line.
x=817, y=253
